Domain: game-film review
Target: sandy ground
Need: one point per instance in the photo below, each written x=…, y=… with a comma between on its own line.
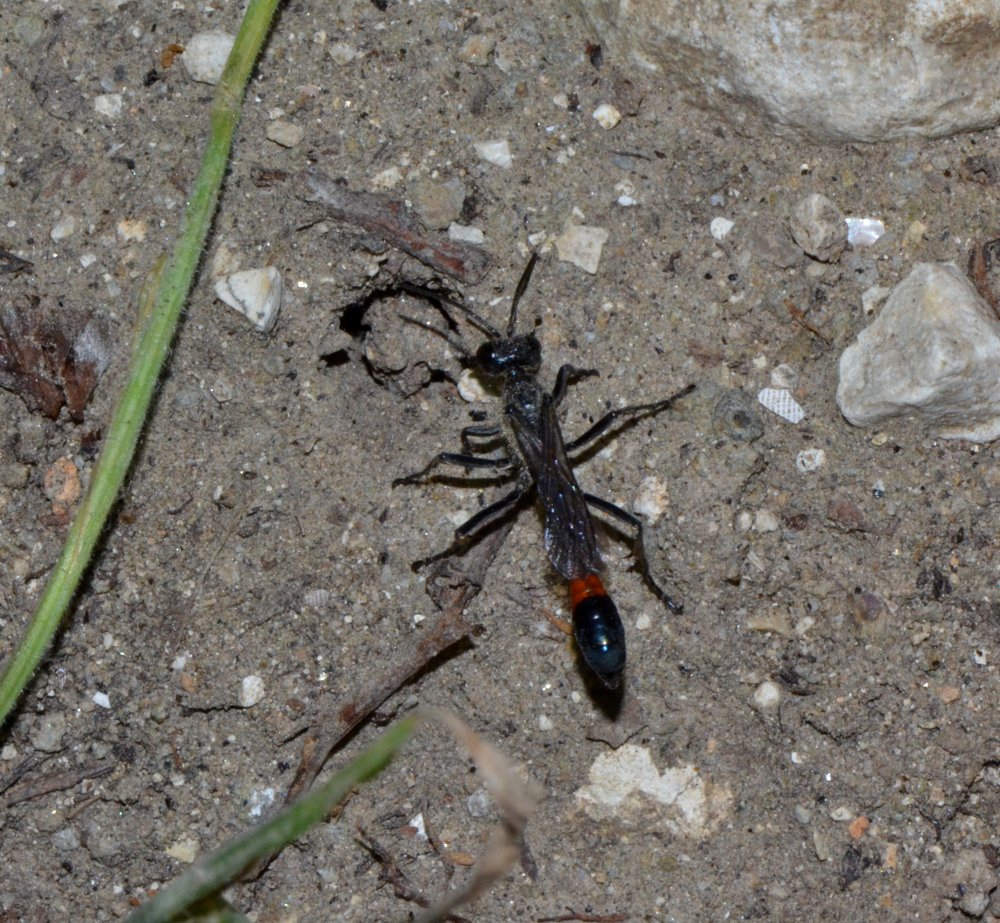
x=864, y=592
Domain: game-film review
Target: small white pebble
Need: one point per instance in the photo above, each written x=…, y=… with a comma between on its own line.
x=101, y=700
x=495, y=152
x=63, y=228
x=130, y=230
x=842, y=814
x=979, y=656
x=205, y=55
x=561, y=100
x=179, y=662
x=342, y=53
x=478, y=803
x=582, y=246
x=809, y=460
x=87, y=260
x=389, y=178
x=651, y=501
x=465, y=234
x=607, y=116
x=545, y=723
x=643, y=622
x=765, y=521
x=255, y=293
x=418, y=618
x=767, y=696
x=251, y=691
x=863, y=232
x=744, y=521
x=109, y=105
x=8, y=753
x=285, y=134
x=470, y=387
x=477, y=49
x=784, y=376
x=720, y=227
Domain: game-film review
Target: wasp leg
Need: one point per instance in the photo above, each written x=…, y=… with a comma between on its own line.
x=567, y=375
x=637, y=410
x=638, y=547
x=459, y=461
x=486, y=518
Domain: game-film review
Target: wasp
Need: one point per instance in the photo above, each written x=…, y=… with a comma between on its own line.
x=537, y=458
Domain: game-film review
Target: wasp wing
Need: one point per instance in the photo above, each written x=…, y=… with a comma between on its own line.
x=569, y=530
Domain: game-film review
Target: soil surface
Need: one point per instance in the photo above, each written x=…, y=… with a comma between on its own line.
x=829, y=693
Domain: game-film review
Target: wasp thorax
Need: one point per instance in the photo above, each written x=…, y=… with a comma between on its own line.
x=511, y=354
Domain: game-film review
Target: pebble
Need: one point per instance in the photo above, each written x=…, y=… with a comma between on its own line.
x=438, y=203
x=720, y=227
x=285, y=134
x=582, y=246
x=766, y=521
x=495, y=152
x=29, y=29
x=545, y=723
x=109, y=105
x=864, y=232
x=66, y=840
x=607, y=116
x=184, y=850
x=809, y=460
x=343, y=53
x=255, y=293
x=205, y=55
x=49, y=732
x=767, y=696
x=476, y=49
x=931, y=352
x=781, y=402
x=101, y=700
x=131, y=230
x=819, y=228
x=479, y=803
x=471, y=388
x=251, y=691
x=651, y=501
x=465, y=234
x=63, y=228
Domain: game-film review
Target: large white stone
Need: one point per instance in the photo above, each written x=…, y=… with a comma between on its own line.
x=837, y=70
x=933, y=352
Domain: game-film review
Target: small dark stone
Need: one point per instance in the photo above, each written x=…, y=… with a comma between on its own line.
x=736, y=417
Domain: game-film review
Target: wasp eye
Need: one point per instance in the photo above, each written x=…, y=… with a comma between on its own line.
x=488, y=359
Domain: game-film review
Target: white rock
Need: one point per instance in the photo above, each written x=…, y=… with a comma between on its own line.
x=495, y=152
x=251, y=691
x=933, y=351
x=63, y=228
x=470, y=387
x=845, y=71
x=109, y=105
x=651, y=501
x=255, y=293
x=767, y=696
x=101, y=700
x=205, y=55
x=342, y=53
x=720, y=227
x=818, y=227
x=607, y=116
x=466, y=234
x=864, y=232
x=582, y=245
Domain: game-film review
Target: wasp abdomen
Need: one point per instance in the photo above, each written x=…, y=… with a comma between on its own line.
x=598, y=629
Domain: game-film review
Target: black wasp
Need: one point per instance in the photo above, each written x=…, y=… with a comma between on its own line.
x=539, y=458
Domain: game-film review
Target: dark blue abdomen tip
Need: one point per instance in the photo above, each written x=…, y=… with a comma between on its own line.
x=600, y=636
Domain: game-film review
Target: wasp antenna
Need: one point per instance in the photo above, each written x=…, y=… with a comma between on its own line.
x=452, y=341
x=522, y=284
x=441, y=299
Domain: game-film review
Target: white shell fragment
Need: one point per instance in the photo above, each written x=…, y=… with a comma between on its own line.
x=255, y=293
x=607, y=116
x=864, y=232
x=932, y=351
x=495, y=152
x=251, y=691
x=720, y=227
x=205, y=55
x=781, y=402
x=582, y=245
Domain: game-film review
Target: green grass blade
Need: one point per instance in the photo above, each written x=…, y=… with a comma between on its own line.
x=147, y=362
x=222, y=867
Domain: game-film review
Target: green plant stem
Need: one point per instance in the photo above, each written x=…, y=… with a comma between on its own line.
x=223, y=866
x=147, y=362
